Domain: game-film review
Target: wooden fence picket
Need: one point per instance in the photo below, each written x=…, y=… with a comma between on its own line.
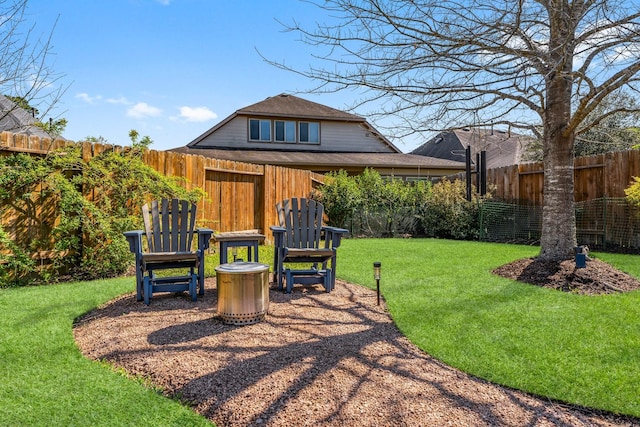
x=240, y=195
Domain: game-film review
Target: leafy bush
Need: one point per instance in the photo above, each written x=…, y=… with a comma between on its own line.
x=15, y=264
x=371, y=205
x=448, y=214
x=395, y=200
x=93, y=202
x=633, y=191
x=340, y=196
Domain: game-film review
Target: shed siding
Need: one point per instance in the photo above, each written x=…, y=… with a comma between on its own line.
x=334, y=137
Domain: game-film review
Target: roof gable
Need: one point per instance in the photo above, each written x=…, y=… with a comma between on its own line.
x=445, y=145
x=285, y=105
x=293, y=107
x=503, y=148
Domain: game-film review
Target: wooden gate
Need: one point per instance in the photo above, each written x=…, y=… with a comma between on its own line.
x=233, y=201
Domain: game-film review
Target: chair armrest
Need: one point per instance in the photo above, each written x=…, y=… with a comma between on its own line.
x=134, y=238
x=336, y=229
x=334, y=235
x=204, y=236
x=278, y=235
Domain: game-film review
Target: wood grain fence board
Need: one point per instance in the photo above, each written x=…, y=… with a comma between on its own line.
x=86, y=151
x=238, y=195
x=21, y=141
x=613, y=174
x=588, y=174
x=6, y=139
x=633, y=164
x=604, y=175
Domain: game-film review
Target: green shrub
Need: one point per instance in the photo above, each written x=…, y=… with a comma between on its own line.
x=77, y=209
x=372, y=204
x=633, y=191
x=393, y=200
x=15, y=264
x=340, y=196
x=448, y=214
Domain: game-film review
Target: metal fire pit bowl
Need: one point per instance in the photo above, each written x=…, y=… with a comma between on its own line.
x=243, y=292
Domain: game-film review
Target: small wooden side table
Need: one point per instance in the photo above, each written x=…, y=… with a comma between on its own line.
x=248, y=239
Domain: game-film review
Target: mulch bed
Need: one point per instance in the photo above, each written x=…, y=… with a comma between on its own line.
x=317, y=359
x=596, y=278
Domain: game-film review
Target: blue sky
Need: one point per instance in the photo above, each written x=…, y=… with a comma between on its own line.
x=171, y=69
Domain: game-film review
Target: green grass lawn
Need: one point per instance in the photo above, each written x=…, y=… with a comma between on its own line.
x=578, y=349
x=45, y=381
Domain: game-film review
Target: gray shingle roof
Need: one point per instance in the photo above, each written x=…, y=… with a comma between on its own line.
x=320, y=159
x=285, y=105
x=17, y=120
x=503, y=149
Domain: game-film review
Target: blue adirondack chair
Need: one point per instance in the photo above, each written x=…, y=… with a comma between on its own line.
x=301, y=238
x=169, y=231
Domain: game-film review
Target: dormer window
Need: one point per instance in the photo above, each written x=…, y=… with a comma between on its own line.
x=309, y=132
x=259, y=130
x=285, y=131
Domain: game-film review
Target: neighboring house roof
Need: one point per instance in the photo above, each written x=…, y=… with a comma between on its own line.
x=324, y=162
x=285, y=105
x=503, y=148
x=290, y=106
x=18, y=120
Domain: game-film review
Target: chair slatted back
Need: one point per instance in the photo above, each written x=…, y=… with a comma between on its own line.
x=169, y=225
x=302, y=218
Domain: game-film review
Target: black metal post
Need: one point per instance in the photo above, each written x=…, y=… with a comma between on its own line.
x=477, y=172
x=467, y=156
x=483, y=173
x=376, y=275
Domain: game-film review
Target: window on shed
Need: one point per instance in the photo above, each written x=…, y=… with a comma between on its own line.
x=259, y=130
x=310, y=132
x=285, y=131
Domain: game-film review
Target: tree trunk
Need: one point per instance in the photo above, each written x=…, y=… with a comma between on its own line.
x=558, y=214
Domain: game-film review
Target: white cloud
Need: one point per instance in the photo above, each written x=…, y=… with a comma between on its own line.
x=197, y=114
x=142, y=110
x=88, y=98
x=122, y=100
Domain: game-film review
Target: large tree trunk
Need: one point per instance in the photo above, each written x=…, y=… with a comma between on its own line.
x=558, y=214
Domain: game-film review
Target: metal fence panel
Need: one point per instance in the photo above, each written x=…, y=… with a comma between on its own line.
x=611, y=224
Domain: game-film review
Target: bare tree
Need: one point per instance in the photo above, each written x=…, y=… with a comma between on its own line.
x=615, y=132
x=25, y=73
x=542, y=66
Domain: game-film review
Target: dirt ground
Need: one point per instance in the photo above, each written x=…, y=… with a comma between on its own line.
x=321, y=359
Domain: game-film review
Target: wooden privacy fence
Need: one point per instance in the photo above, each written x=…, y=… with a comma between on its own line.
x=603, y=175
x=239, y=196
x=604, y=219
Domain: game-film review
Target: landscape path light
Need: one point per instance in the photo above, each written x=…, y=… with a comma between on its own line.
x=376, y=275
